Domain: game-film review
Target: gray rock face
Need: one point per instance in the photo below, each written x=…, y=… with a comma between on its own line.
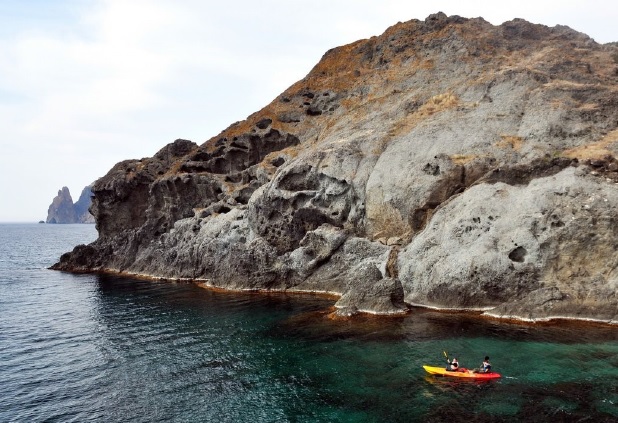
x=82, y=206
x=447, y=163
x=371, y=293
x=533, y=251
x=62, y=209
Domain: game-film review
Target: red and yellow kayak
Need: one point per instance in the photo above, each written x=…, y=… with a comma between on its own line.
x=461, y=373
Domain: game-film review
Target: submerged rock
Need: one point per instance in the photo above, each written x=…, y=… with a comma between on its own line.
x=446, y=163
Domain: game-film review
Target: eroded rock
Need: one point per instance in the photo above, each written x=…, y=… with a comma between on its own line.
x=501, y=246
x=447, y=163
x=371, y=293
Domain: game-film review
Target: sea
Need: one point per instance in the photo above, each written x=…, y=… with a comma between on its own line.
x=101, y=348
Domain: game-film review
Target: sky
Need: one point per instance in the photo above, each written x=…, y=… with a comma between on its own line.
x=86, y=84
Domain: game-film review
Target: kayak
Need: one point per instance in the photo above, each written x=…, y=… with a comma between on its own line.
x=461, y=373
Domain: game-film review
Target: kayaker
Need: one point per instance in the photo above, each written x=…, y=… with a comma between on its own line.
x=485, y=367
x=453, y=365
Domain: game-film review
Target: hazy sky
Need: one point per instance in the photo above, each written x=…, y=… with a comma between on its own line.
x=85, y=84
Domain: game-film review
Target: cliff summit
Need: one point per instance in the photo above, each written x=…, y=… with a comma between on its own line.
x=446, y=163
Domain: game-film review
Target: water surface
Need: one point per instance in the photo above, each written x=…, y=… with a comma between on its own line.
x=101, y=348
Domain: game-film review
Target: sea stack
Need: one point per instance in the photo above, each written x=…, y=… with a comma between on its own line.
x=62, y=209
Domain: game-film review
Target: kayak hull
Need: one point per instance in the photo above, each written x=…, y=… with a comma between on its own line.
x=462, y=373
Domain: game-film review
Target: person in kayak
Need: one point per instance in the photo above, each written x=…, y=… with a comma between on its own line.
x=485, y=367
x=453, y=365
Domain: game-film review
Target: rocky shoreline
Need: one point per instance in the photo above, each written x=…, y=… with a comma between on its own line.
x=335, y=296
x=447, y=163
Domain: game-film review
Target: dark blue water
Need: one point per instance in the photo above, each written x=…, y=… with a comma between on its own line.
x=78, y=348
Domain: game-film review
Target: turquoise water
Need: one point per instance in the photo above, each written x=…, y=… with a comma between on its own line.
x=101, y=348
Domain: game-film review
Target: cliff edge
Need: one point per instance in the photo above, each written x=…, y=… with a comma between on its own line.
x=446, y=163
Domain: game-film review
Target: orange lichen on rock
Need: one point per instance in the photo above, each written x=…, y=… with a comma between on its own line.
x=433, y=105
x=438, y=103
x=511, y=141
x=462, y=159
x=596, y=150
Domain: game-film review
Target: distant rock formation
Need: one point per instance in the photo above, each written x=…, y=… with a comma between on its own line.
x=82, y=206
x=62, y=209
x=447, y=163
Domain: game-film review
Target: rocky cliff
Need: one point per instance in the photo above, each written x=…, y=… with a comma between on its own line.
x=62, y=209
x=82, y=206
x=447, y=163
